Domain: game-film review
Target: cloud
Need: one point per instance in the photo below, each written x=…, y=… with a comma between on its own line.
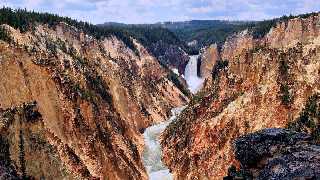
x=150, y=11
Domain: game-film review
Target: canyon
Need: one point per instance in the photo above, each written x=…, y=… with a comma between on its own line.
x=88, y=102
x=74, y=105
x=256, y=83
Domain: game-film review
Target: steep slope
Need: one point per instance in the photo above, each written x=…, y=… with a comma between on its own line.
x=207, y=60
x=73, y=106
x=258, y=83
x=162, y=43
x=202, y=33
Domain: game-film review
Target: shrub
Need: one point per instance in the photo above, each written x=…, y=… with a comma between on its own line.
x=286, y=97
x=175, y=79
x=309, y=118
x=4, y=35
x=234, y=174
x=22, y=156
x=96, y=83
x=220, y=65
x=26, y=20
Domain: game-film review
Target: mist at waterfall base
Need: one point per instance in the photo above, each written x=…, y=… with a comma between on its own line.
x=152, y=152
x=191, y=76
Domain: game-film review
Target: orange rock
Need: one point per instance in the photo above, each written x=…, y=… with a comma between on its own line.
x=265, y=85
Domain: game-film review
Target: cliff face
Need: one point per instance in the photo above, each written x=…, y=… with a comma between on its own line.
x=208, y=60
x=259, y=83
x=172, y=56
x=92, y=99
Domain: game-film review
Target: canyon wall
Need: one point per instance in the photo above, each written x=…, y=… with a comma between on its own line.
x=72, y=106
x=208, y=59
x=170, y=55
x=257, y=84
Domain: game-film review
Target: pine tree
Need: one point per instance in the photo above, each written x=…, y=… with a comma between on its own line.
x=22, y=155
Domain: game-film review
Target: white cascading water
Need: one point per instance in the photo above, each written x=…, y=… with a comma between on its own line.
x=152, y=151
x=194, y=82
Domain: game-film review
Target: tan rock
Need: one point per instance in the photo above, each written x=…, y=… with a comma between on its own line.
x=264, y=85
x=93, y=96
x=208, y=60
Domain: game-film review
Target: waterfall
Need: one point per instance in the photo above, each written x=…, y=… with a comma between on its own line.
x=152, y=151
x=194, y=82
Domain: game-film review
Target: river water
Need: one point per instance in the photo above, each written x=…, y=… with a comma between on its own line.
x=152, y=152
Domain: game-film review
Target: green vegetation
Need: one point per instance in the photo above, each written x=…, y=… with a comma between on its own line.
x=22, y=156
x=220, y=65
x=309, y=119
x=261, y=28
x=283, y=66
x=4, y=35
x=197, y=97
x=31, y=112
x=284, y=80
x=4, y=152
x=205, y=32
x=286, y=97
x=97, y=84
x=145, y=111
x=175, y=79
x=148, y=35
x=234, y=174
x=26, y=20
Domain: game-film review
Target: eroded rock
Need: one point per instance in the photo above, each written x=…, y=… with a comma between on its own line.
x=278, y=154
x=256, y=85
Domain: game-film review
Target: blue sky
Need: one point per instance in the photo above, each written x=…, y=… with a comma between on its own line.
x=151, y=11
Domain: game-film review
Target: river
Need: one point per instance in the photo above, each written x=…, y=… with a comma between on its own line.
x=152, y=153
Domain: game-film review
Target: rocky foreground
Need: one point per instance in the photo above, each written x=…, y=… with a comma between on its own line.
x=276, y=154
x=255, y=83
x=72, y=106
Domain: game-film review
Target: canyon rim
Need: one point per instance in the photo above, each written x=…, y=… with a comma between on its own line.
x=190, y=99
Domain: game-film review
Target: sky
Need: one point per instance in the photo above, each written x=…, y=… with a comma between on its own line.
x=152, y=11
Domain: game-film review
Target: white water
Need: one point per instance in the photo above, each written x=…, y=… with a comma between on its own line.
x=152, y=151
x=194, y=82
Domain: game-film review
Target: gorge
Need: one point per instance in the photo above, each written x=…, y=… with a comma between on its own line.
x=152, y=152
x=257, y=82
x=83, y=101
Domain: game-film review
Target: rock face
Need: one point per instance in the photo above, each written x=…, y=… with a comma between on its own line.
x=208, y=60
x=92, y=98
x=257, y=84
x=171, y=55
x=277, y=154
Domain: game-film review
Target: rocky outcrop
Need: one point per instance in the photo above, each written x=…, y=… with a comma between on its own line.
x=237, y=43
x=171, y=56
x=208, y=60
x=288, y=33
x=276, y=154
x=255, y=85
x=93, y=97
